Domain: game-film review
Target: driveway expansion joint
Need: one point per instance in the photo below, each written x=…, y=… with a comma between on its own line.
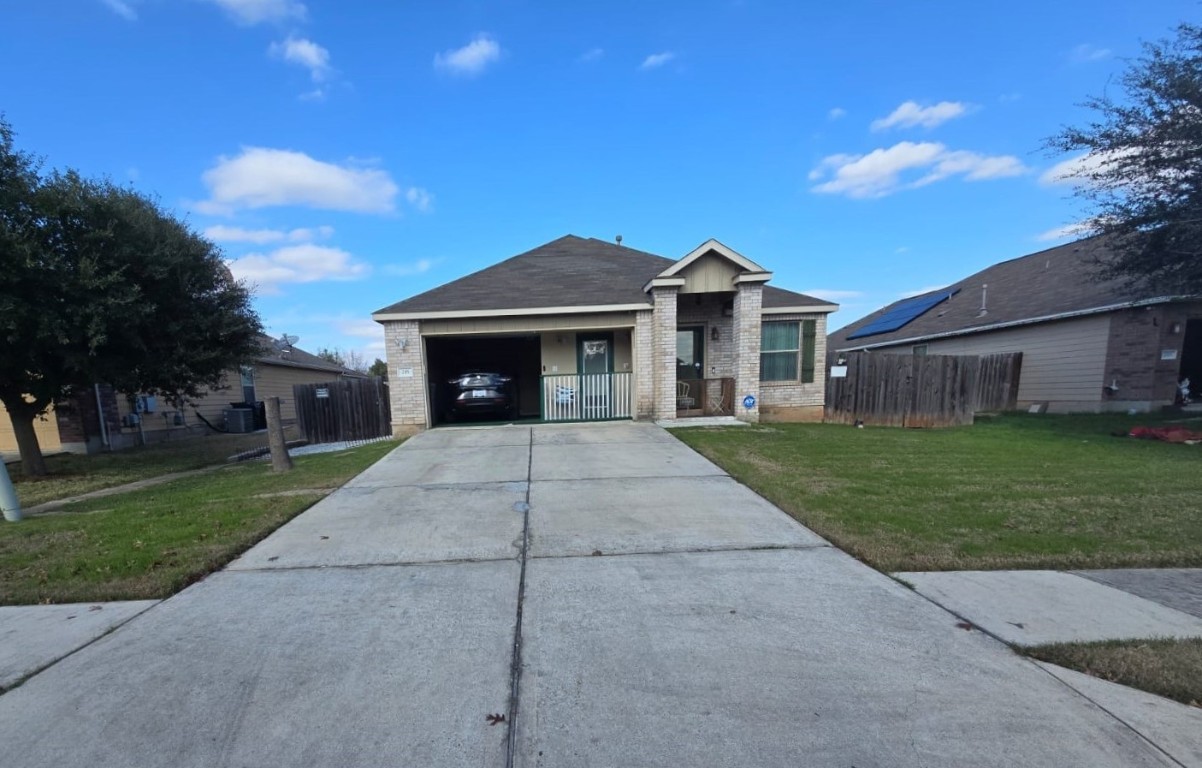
x=627, y=479
x=365, y=566
x=515, y=664
x=689, y=551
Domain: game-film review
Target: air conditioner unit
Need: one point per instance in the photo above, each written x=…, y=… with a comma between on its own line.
x=239, y=420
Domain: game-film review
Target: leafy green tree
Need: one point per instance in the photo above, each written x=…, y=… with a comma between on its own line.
x=100, y=285
x=379, y=368
x=1142, y=171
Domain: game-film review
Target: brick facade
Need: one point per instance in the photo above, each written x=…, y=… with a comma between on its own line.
x=663, y=357
x=745, y=336
x=643, y=353
x=1139, y=339
x=407, y=395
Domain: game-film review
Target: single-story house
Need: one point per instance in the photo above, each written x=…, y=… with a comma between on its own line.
x=1087, y=344
x=592, y=330
x=75, y=426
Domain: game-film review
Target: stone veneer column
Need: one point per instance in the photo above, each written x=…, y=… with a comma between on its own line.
x=407, y=396
x=663, y=357
x=748, y=304
x=643, y=343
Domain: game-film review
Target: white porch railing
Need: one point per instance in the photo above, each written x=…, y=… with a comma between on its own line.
x=587, y=397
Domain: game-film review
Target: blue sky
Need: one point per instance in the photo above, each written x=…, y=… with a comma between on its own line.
x=348, y=154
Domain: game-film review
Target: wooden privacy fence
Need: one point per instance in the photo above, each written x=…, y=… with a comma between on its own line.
x=347, y=409
x=921, y=390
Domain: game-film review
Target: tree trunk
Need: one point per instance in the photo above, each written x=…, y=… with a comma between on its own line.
x=32, y=462
x=280, y=460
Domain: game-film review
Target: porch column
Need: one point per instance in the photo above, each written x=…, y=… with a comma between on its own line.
x=643, y=348
x=746, y=341
x=407, y=392
x=663, y=357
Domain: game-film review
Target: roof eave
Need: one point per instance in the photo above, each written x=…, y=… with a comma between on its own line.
x=382, y=317
x=811, y=309
x=664, y=282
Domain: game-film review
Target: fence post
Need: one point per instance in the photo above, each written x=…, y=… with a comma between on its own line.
x=280, y=460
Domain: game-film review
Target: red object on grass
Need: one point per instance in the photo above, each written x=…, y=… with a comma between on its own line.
x=1167, y=434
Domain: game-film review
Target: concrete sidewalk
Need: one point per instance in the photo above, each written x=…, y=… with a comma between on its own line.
x=1037, y=607
x=659, y=614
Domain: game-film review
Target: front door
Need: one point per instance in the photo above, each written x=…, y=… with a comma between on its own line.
x=690, y=371
x=595, y=362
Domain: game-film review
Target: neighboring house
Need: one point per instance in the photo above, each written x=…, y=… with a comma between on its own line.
x=590, y=330
x=76, y=427
x=1087, y=345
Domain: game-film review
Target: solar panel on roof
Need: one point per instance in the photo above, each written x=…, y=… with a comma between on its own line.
x=902, y=313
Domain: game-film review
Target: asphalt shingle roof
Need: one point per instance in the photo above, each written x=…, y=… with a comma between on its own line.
x=295, y=357
x=569, y=272
x=1042, y=284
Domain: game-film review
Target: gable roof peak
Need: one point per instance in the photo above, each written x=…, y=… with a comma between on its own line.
x=713, y=246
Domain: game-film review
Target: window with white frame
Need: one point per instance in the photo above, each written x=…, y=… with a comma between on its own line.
x=787, y=350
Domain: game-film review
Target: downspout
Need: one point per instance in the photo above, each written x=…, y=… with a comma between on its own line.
x=104, y=430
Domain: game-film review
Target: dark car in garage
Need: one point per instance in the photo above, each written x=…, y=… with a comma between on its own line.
x=478, y=394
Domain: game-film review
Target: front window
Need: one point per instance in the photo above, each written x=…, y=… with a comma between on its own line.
x=787, y=351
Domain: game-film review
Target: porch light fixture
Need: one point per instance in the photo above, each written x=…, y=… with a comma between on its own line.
x=714, y=333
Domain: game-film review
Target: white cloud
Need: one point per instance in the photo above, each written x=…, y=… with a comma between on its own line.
x=911, y=113
x=832, y=294
x=1068, y=231
x=305, y=53
x=836, y=113
x=656, y=60
x=1087, y=53
x=250, y=12
x=260, y=177
x=364, y=329
x=906, y=165
x=122, y=9
x=305, y=263
x=222, y=234
x=594, y=54
x=471, y=59
x=418, y=267
x=419, y=199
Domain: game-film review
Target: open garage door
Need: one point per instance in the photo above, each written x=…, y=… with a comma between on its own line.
x=517, y=357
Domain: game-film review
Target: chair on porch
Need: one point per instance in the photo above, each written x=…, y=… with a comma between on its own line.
x=683, y=400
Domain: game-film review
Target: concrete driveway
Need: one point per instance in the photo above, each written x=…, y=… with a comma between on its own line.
x=660, y=614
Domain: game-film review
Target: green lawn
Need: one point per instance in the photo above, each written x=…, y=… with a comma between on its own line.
x=153, y=542
x=1015, y=491
x=73, y=474
x=1169, y=668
